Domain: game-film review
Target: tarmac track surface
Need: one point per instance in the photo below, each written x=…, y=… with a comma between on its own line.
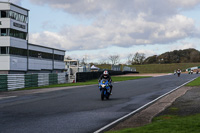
x=80, y=110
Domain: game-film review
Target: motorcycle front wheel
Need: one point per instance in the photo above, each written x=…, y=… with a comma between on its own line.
x=102, y=96
x=107, y=97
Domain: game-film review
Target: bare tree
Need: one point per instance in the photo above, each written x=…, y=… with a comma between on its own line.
x=114, y=59
x=142, y=58
x=138, y=58
x=130, y=59
x=102, y=62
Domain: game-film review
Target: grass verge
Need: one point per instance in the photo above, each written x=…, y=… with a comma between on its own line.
x=168, y=124
x=90, y=82
x=196, y=82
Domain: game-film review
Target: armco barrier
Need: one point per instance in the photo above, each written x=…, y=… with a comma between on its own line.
x=17, y=81
x=43, y=79
x=84, y=76
x=31, y=80
x=53, y=78
x=61, y=78
x=3, y=83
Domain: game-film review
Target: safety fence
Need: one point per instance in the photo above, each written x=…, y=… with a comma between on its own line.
x=16, y=81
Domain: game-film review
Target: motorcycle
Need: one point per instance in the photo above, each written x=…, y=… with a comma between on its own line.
x=104, y=87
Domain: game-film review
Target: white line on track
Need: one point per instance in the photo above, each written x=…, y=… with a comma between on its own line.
x=7, y=97
x=135, y=111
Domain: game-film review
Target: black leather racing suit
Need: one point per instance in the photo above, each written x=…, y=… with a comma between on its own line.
x=107, y=77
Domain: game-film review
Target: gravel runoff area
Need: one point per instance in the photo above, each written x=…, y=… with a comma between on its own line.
x=185, y=99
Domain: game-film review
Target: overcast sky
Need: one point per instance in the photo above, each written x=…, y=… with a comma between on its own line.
x=98, y=28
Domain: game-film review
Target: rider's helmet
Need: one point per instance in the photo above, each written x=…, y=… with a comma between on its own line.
x=105, y=74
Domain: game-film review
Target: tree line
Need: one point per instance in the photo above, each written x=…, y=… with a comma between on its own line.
x=176, y=56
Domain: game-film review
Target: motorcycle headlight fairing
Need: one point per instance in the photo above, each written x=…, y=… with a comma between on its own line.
x=103, y=86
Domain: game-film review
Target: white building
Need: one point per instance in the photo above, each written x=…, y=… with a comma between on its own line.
x=16, y=54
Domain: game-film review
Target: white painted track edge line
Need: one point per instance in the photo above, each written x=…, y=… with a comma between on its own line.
x=7, y=97
x=118, y=120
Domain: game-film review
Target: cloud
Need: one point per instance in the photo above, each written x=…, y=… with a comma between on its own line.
x=147, y=52
x=185, y=3
x=48, y=25
x=120, y=23
x=130, y=6
x=124, y=33
x=183, y=45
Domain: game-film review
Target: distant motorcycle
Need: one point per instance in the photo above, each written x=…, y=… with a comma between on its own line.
x=104, y=87
x=179, y=72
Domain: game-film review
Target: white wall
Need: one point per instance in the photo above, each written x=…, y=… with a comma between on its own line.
x=18, y=63
x=19, y=43
x=59, y=52
x=7, y=6
x=59, y=65
x=16, y=28
x=38, y=48
x=4, y=6
x=12, y=41
x=38, y=64
x=4, y=41
x=4, y=62
x=8, y=23
x=5, y=22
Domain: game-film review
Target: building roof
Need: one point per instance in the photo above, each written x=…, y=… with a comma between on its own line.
x=14, y=5
x=46, y=47
x=66, y=60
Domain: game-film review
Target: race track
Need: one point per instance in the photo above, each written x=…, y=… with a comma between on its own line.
x=80, y=110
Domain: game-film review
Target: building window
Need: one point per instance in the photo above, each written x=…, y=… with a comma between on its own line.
x=33, y=53
x=13, y=33
x=17, y=16
x=4, y=14
x=14, y=15
x=17, y=34
x=40, y=55
x=18, y=51
x=4, y=50
x=47, y=56
x=58, y=57
x=3, y=32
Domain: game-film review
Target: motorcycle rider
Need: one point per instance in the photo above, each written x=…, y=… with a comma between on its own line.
x=179, y=72
x=106, y=76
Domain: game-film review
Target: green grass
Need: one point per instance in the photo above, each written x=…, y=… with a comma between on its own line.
x=168, y=124
x=157, y=68
x=163, y=68
x=196, y=82
x=124, y=78
x=90, y=82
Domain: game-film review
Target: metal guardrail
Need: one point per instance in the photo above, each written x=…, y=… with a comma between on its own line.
x=17, y=81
